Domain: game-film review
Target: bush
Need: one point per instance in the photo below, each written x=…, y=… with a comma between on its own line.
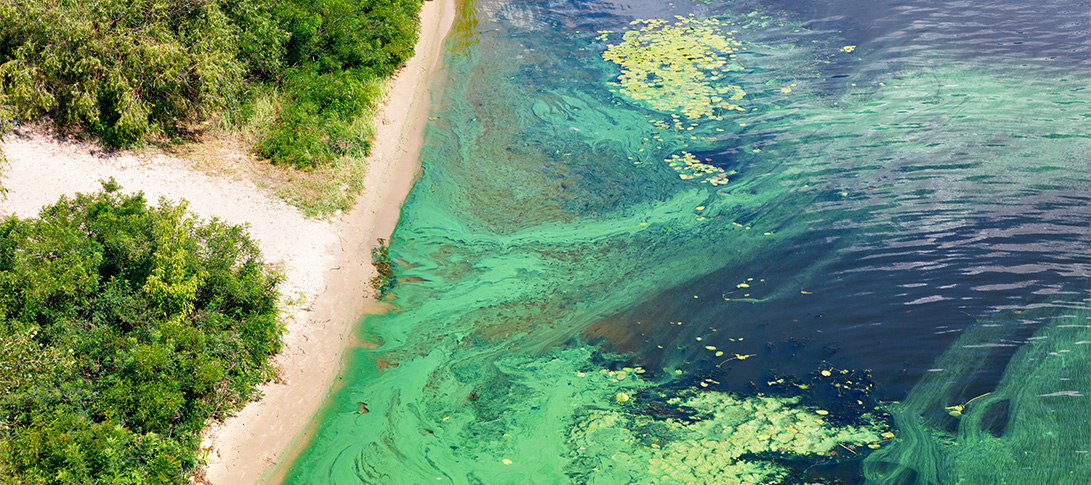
x=370, y=38
x=339, y=53
x=130, y=71
x=321, y=122
x=123, y=329
x=126, y=70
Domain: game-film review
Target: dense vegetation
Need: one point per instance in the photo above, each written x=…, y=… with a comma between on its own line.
x=123, y=329
x=129, y=71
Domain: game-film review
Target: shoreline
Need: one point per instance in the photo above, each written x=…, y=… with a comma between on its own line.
x=327, y=263
x=260, y=442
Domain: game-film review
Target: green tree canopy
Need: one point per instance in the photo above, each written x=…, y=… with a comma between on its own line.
x=124, y=328
x=127, y=71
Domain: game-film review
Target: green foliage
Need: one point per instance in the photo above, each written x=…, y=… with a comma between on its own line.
x=383, y=281
x=128, y=71
x=124, y=70
x=338, y=53
x=123, y=329
x=321, y=123
x=369, y=37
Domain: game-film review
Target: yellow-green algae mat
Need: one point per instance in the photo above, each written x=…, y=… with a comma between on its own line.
x=559, y=417
x=675, y=66
x=722, y=445
x=467, y=404
x=679, y=67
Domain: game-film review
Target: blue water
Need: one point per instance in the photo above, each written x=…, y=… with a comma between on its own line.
x=904, y=238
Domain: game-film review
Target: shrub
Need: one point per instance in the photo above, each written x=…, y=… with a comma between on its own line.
x=130, y=71
x=123, y=329
x=370, y=38
x=338, y=53
x=320, y=123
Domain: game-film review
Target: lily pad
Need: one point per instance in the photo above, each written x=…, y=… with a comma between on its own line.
x=673, y=66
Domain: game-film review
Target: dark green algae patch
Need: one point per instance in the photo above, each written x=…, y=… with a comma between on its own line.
x=573, y=309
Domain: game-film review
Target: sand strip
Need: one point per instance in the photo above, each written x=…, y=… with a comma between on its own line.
x=327, y=264
x=246, y=446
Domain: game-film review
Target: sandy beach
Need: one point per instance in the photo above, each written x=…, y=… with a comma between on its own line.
x=327, y=263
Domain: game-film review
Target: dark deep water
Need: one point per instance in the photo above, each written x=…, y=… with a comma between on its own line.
x=888, y=230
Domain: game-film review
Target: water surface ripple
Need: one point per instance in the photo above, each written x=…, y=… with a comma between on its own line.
x=909, y=202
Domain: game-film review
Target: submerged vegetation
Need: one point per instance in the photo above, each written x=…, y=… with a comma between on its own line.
x=957, y=432
x=383, y=281
x=129, y=73
x=124, y=328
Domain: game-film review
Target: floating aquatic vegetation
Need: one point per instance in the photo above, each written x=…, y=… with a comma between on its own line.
x=711, y=437
x=690, y=168
x=676, y=66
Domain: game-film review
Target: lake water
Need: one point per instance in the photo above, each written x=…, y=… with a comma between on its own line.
x=738, y=242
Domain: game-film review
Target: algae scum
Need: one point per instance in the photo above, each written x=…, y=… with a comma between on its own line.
x=737, y=242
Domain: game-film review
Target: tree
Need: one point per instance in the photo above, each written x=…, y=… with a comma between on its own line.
x=123, y=329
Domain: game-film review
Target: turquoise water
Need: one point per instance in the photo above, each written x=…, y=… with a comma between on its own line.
x=874, y=267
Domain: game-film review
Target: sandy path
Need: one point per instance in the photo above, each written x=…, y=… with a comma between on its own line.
x=327, y=263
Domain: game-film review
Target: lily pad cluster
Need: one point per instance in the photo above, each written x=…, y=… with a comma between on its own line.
x=690, y=168
x=722, y=439
x=675, y=67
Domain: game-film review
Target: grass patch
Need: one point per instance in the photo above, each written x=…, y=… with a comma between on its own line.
x=319, y=192
x=327, y=185
x=228, y=146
